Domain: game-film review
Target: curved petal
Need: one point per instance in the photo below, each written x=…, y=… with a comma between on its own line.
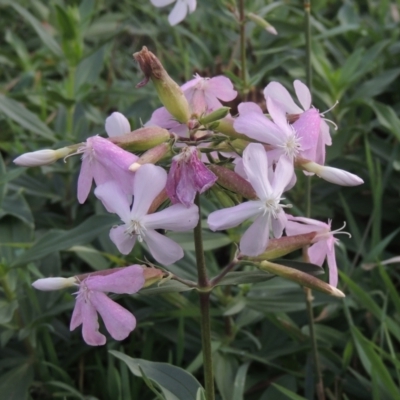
x=149, y=181
x=162, y=248
x=278, y=115
x=178, y=13
x=193, y=82
x=280, y=95
x=175, y=218
x=76, y=318
x=161, y=3
x=283, y=175
x=85, y=179
x=249, y=106
x=117, y=124
x=278, y=224
x=255, y=163
x=114, y=200
x=119, y=321
x=303, y=94
x=317, y=226
x=222, y=88
x=233, y=216
x=90, y=325
x=255, y=239
x=126, y=280
x=317, y=252
x=192, y=5
x=331, y=259
x=121, y=239
x=294, y=228
x=307, y=128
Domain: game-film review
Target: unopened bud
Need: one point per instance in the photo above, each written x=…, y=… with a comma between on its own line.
x=142, y=139
x=284, y=245
x=169, y=92
x=232, y=181
x=262, y=23
x=215, y=115
x=151, y=156
x=223, y=197
x=160, y=198
x=48, y=284
x=330, y=174
x=42, y=157
x=117, y=124
x=152, y=275
x=225, y=126
x=301, y=278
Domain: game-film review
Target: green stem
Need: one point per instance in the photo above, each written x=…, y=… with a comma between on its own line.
x=204, y=293
x=242, y=23
x=308, y=292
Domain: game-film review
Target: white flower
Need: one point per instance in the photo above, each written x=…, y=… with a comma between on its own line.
x=180, y=10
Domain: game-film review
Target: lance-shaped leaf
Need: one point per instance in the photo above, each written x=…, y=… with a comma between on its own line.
x=301, y=278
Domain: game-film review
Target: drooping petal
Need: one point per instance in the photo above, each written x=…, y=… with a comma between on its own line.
x=84, y=180
x=317, y=252
x=90, y=325
x=175, y=218
x=119, y=321
x=127, y=280
x=233, y=216
x=278, y=224
x=185, y=188
x=303, y=94
x=331, y=259
x=162, y=248
x=76, y=318
x=255, y=239
x=221, y=87
x=255, y=163
x=178, y=13
x=283, y=174
x=316, y=225
x=281, y=96
x=114, y=200
x=149, y=181
x=117, y=124
x=121, y=239
x=161, y=3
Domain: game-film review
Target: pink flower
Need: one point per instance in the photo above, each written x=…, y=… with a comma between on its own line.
x=324, y=242
x=310, y=126
x=187, y=176
x=103, y=161
x=149, y=181
x=91, y=299
x=267, y=211
x=180, y=10
x=117, y=125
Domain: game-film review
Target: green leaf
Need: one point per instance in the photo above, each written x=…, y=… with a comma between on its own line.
x=312, y=269
x=23, y=117
x=239, y=277
x=14, y=385
x=211, y=240
x=166, y=287
x=169, y=378
x=386, y=117
x=240, y=381
x=7, y=310
x=17, y=206
x=288, y=393
x=3, y=187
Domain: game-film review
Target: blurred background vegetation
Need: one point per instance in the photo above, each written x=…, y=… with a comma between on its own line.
x=65, y=66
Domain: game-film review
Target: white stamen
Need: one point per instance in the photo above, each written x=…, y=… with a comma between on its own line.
x=136, y=228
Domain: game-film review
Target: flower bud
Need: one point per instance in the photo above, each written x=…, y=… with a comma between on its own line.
x=48, y=284
x=117, y=124
x=262, y=23
x=151, y=156
x=225, y=126
x=152, y=275
x=215, y=115
x=301, y=278
x=141, y=139
x=330, y=174
x=42, y=157
x=232, y=181
x=169, y=92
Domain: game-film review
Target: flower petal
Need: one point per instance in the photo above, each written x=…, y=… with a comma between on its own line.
x=307, y=128
x=161, y=3
x=278, y=224
x=162, y=248
x=249, y=106
x=126, y=280
x=303, y=94
x=317, y=252
x=121, y=239
x=255, y=239
x=84, y=180
x=119, y=321
x=233, y=216
x=149, y=181
x=117, y=124
x=175, y=218
x=280, y=95
x=331, y=259
x=76, y=318
x=192, y=5
x=90, y=325
x=221, y=87
x=283, y=175
x=279, y=117
x=178, y=13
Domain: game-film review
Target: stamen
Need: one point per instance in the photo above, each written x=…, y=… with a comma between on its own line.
x=329, y=109
x=339, y=231
x=80, y=150
x=135, y=228
x=328, y=120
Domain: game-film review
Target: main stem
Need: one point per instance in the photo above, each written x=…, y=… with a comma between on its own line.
x=204, y=294
x=308, y=292
x=242, y=23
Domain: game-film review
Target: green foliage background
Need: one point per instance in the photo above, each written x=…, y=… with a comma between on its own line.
x=65, y=66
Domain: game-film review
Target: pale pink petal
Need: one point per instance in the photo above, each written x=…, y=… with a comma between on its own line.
x=249, y=106
x=317, y=252
x=307, y=128
x=161, y=3
x=280, y=95
x=331, y=259
x=90, y=325
x=325, y=133
x=76, y=318
x=84, y=180
x=239, y=168
x=117, y=124
x=191, y=83
x=294, y=228
x=279, y=116
x=175, y=218
x=178, y=13
x=255, y=239
x=283, y=175
x=114, y=200
x=150, y=180
x=222, y=88
x=191, y=4
x=255, y=164
x=316, y=225
x=233, y=216
x=162, y=248
x=119, y=321
x=121, y=239
x=278, y=224
x=303, y=94
x=258, y=127
x=127, y=280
